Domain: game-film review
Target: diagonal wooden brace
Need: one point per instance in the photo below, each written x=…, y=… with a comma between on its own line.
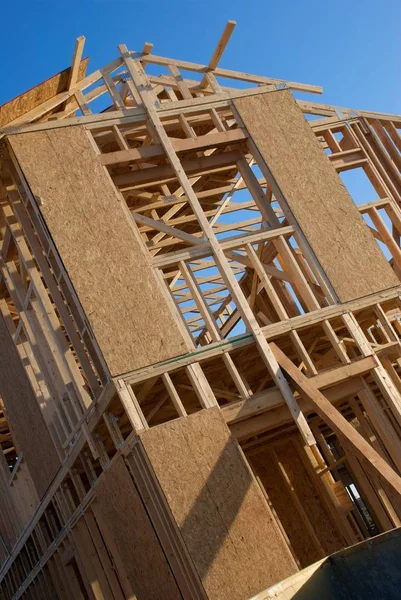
x=337, y=422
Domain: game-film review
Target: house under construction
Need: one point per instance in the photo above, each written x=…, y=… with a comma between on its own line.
x=200, y=332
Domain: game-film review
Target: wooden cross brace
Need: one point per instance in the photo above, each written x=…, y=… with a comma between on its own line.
x=337, y=422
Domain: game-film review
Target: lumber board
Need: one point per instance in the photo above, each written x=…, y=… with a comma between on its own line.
x=265, y=465
x=268, y=472
x=218, y=52
x=19, y=500
x=276, y=414
x=100, y=247
x=89, y=551
x=222, y=515
x=307, y=492
x=345, y=431
x=121, y=515
x=320, y=203
x=212, y=140
x=19, y=106
x=10, y=518
x=25, y=417
x=262, y=401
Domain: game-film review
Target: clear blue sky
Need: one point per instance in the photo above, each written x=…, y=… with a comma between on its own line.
x=351, y=48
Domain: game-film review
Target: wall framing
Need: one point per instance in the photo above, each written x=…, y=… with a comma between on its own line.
x=257, y=327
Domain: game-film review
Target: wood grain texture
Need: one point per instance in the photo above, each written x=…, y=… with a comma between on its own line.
x=265, y=466
x=315, y=194
x=267, y=470
x=25, y=417
x=223, y=517
x=101, y=249
x=17, y=107
x=120, y=514
x=308, y=494
x=90, y=559
x=18, y=500
x=11, y=524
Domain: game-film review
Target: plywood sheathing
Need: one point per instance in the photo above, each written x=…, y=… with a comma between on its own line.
x=25, y=416
x=19, y=106
x=100, y=247
x=316, y=196
x=223, y=517
x=121, y=516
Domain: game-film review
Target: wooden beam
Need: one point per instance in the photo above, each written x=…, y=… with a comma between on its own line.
x=238, y=75
x=266, y=400
x=218, y=53
x=146, y=50
x=195, y=165
x=76, y=61
x=337, y=422
x=212, y=140
x=279, y=416
x=163, y=227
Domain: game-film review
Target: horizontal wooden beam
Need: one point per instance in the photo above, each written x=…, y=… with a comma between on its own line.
x=196, y=165
x=342, y=113
x=236, y=75
x=270, y=331
x=349, y=159
x=203, y=142
x=127, y=115
x=237, y=241
x=267, y=400
x=279, y=416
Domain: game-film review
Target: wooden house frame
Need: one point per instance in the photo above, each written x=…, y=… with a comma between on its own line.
x=224, y=279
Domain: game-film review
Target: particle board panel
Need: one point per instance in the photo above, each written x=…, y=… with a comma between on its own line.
x=25, y=417
x=316, y=196
x=121, y=514
x=19, y=106
x=100, y=246
x=224, y=519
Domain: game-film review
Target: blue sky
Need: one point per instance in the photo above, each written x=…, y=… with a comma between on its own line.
x=352, y=49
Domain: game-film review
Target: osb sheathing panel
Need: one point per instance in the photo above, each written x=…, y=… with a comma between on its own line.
x=16, y=108
x=265, y=466
x=25, y=417
x=100, y=247
x=120, y=513
x=223, y=517
x=316, y=195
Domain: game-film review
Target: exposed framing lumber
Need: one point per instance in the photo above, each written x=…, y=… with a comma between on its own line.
x=263, y=401
x=178, y=154
x=76, y=61
x=218, y=53
x=338, y=423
